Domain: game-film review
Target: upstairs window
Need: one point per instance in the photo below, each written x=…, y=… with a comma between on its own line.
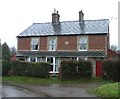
x=83, y=43
x=34, y=44
x=52, y=43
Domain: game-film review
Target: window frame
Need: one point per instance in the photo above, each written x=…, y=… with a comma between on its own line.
x=52, y=45
x=79, y=43
x=31, y=58
x=33, y=44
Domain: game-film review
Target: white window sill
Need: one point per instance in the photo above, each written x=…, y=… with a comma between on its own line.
x=53, y=72
x=51, y=50
x=34, y=50
x=83, y=50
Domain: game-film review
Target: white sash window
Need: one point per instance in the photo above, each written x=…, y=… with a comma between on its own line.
x=83, y=43
x=34, y=43
x=52, y=43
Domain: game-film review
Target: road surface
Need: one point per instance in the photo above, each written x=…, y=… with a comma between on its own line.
x=14, y=91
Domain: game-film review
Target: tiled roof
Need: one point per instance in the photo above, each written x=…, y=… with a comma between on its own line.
x=67, y=28
x=62, y=53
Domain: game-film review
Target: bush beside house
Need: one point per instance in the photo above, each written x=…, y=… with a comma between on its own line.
x=75, y=70
x=38, y=70
x=111, y=70
x=20, y=68
x=31, y=69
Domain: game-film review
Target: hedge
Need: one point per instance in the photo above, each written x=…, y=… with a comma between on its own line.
x=75, y=70
x=111, y=70
x=6, y=67
x=20, y=68
x=31, y=69
x=38, y=70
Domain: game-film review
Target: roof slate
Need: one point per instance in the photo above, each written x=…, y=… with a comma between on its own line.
x=67, y=28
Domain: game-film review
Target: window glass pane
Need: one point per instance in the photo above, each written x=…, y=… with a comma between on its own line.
x=34, y=43
x=57, y=63
x=83, y=58
x=83, y=40
x=52, y=43
x=33, y=59
x=22, y=59
x=50, y=59
x=36, y=47
x=83, y=43
x=83, y=46
x=52, y=40
x=41, y=59
x=38, y=59
x=56, y=68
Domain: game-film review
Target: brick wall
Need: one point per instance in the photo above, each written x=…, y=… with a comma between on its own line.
x=24, y=43
x=67, y=43
x=43, y=43
x=97, y=42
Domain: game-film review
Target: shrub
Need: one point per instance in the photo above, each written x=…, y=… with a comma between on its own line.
x=20, y=68
x=75, y=70
x=31, y=69
x=68, y=70
x=111, y=70
x=6, y=67
x=38, y=70
x=108, y=90
x=85, y=69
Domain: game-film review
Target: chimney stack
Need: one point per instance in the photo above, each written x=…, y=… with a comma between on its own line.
x=81, y=21
x=81, y=16
x=55, y=17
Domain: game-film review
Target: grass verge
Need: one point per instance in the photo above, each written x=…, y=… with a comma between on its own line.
x=52, y=80
x=111, y=90
x=29, y=80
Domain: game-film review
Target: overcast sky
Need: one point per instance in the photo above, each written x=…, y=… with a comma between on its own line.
x=18, y=15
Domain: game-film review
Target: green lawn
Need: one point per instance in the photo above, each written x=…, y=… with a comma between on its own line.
x=29, y=80
x=52, y=80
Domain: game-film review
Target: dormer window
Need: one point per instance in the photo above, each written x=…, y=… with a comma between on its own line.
x=83, y=43
x=34, y=43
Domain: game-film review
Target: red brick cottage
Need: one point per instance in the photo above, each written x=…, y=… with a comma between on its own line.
x=68, y=40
